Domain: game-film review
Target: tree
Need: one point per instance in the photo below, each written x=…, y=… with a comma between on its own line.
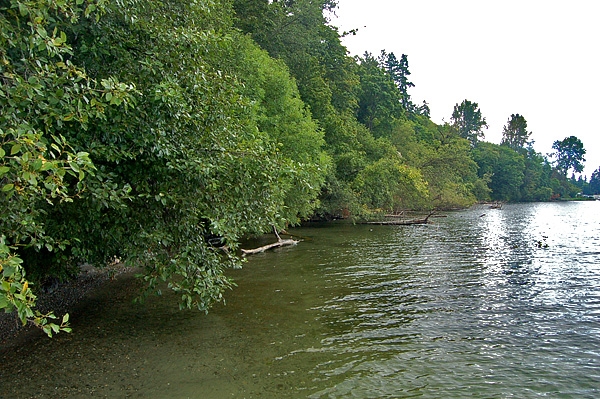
x=504, y=167
x=444, y=161
x=537, y=174
x=468, y=121
x=287, y=121
x=514, y=133
x=45, y=98
x=398, y=72
x=388, y=185
x=379, y=101
x=594, y=185
x=424, y=109
x=218, y=144
x=569, y=154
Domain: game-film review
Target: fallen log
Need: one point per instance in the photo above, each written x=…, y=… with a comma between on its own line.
x=403, y=222
x=400, y=222
x=280, y=243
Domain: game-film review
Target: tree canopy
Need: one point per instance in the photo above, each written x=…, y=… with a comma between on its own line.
x=569, y=154
x=468, y=121
x=595, y=182
x=514, y=133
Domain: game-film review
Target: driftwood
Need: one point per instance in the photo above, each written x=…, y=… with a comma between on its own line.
x=402, y=222
x=280, y=243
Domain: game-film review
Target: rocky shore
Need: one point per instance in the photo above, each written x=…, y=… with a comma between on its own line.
x=62, y=297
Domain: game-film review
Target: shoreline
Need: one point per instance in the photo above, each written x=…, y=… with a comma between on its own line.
x=63, y=299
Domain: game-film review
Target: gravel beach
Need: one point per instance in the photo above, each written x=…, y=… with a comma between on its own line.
x=62, y=298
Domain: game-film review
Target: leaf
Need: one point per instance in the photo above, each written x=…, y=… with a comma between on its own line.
x=4, y=170
x=4, y=303
x=48, y=330
x=8, y=187
x=15, y=149
x=65, y=318
x=37, y=164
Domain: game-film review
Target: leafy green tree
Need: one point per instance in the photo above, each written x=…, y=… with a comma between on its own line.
x=581, y=183
x=45, y=97
x=424, y=109
x=218, y=145
x=536, y=177
x=514, y=133
x=389, y=185
x=569, y=155
x=468, y=121
x=298, y=33
x=284, y=117
x=443, y=159
x=379, y=101
x=505, y=168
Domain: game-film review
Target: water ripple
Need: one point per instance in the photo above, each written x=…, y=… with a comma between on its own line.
x=506, y=305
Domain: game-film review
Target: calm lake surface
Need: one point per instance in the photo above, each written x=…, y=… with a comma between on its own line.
x=483, y=303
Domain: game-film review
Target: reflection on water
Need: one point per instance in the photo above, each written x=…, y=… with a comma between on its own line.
x=484, y=303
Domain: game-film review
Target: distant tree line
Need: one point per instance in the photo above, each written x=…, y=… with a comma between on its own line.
x=139, y=129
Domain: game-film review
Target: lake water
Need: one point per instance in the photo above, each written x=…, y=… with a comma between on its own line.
x=483, y=303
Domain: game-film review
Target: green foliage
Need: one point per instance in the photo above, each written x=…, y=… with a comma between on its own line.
x=398, y=72
x=213, y=146
x=282, y=115
x=514, y=133
x=44, y=98
x=569, y=155
x=523, y=175
x=504, y=166
x=468, y=121
x=536, y=177
x=16, y=294
x=379, y=100
x=218, y=145
x=388, y=185
x=594, y=185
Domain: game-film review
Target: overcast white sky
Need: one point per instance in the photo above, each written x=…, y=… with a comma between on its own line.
x=537, y=58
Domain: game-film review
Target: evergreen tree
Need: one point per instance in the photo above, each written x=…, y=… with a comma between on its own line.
x=514, y=133
x=424, y=109
x=379, y=101
x=398, y=72
x=468, y=121
x=594, y=185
